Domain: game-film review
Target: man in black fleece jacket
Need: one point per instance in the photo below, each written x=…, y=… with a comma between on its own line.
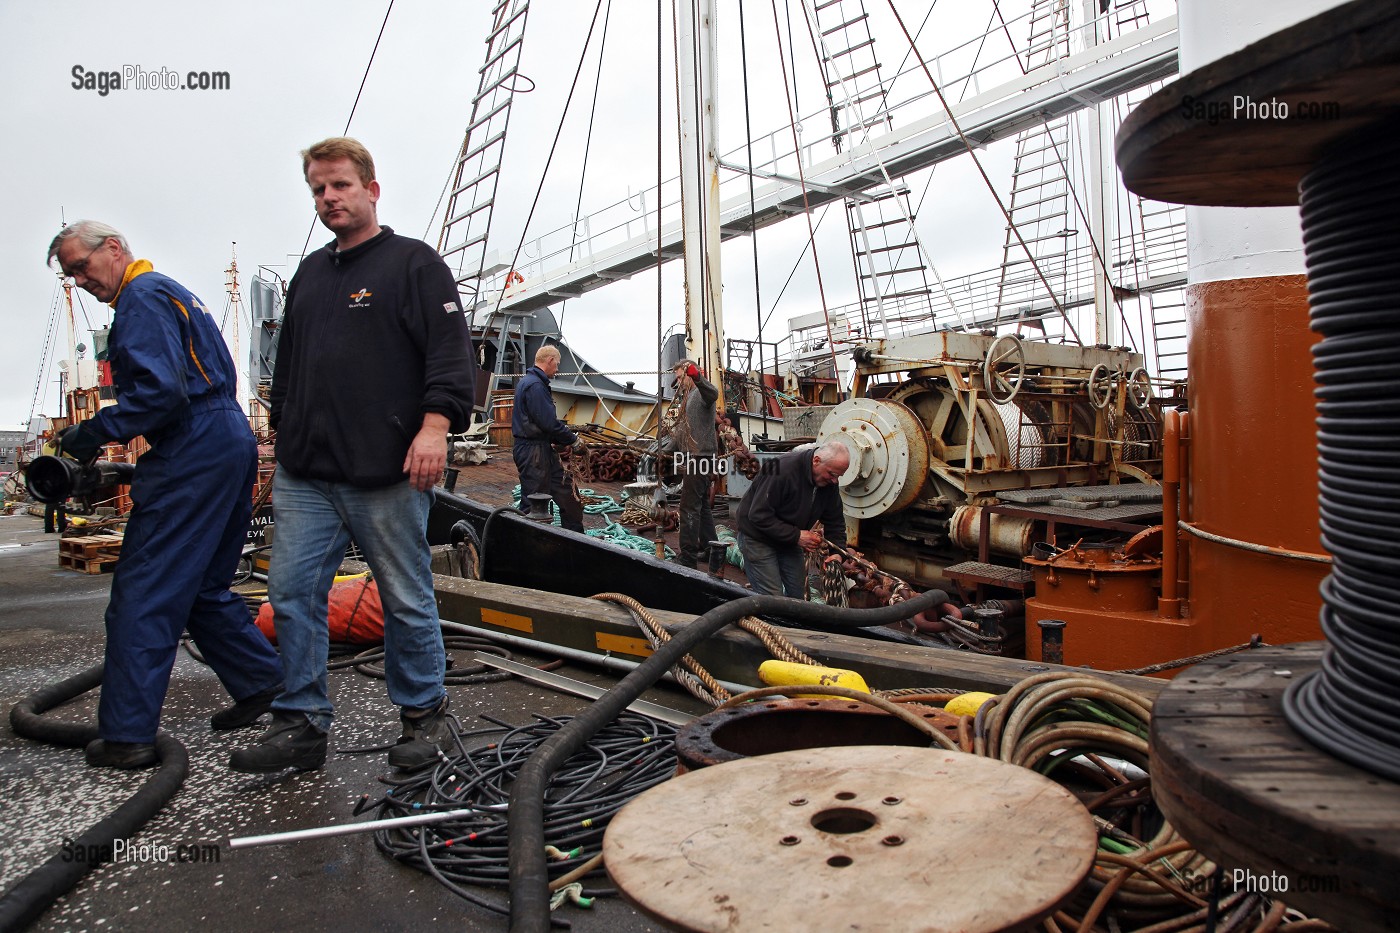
x=776, y=515
x=374, y=368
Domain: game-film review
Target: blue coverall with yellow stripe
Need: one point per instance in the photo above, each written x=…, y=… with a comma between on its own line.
x=191, y=502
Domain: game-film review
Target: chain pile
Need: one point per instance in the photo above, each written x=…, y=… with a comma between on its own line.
x=601, y=463
x=839, y=565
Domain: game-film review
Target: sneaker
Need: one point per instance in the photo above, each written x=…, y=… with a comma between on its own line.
x=424, y=733
x=290, y=742
x=246, y=711
x=103, y=754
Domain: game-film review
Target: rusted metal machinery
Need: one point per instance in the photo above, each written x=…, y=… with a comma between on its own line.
x=947, y=424
x=1017, y=469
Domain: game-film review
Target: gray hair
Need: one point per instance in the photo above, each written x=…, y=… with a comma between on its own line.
x=91, y=233
x=833, y=450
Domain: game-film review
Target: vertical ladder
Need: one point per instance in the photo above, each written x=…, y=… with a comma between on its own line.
x=891, y=276
x=1167, y=310
x=475, y=177
x=1158, y=249
x=1039, y=206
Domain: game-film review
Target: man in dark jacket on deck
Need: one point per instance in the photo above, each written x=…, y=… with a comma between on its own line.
x=191, y=498
x=535, y=426
x=374, y=368
x=776, y=517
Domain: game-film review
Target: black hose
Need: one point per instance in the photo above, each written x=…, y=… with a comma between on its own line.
x=1351, y=233
x=529, y=872
x=31, y=895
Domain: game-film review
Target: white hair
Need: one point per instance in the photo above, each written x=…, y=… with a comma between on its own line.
x=91, y=233
x=833, y=450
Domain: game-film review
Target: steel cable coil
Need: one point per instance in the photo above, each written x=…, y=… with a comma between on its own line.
x=1351, y=233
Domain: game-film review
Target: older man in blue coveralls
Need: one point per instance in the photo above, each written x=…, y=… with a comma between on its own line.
x=191, y=498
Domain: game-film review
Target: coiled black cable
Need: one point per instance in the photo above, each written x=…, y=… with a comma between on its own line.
x=626, y=757
x=1351, y=234
x=529, y=875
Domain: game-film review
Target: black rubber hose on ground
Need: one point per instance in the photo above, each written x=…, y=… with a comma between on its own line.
x=529, y=872
x=22, y=904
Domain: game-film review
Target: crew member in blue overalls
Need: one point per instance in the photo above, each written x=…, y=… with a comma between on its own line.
x=535, y=426
x=191, y=499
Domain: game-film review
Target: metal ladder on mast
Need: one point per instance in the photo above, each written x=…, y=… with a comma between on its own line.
x=891, y=275
x=476, y=175
x=1158, y=243
x=1039, y=204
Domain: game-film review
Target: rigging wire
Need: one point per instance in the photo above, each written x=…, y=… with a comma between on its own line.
x=442, y=195
x=83, y=308
x=363, y=78
x=801, y=178
x=854, y=104
x=49, y=333
x=587, y=145
x=971, y=151
x=660, y=96
x=796, y=265
x=553, y=146
x=753, y=233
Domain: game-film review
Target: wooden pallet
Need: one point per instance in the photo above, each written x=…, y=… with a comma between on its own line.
x=91, y=554
x=87, y=564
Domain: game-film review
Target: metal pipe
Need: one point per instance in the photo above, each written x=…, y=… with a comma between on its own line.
x=1052, y=641
x=622, y=665
x=1169, y=605
x=350, y=829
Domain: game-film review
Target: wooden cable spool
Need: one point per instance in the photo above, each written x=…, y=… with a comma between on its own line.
x=869, y=838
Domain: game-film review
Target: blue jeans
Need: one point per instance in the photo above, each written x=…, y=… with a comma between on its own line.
x=315, y=521
x=774, y=570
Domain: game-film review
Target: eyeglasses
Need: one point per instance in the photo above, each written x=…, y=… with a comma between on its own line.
x=80, y=267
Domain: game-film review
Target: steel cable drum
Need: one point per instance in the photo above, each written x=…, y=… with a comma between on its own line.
x=1351, y=235
x=889, y=454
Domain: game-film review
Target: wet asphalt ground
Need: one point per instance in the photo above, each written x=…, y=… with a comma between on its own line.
x=51, y=628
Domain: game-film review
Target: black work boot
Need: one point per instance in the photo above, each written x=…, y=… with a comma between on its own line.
x=103, y=754
x=290, y=742
x=424, y=732
x=246, y=711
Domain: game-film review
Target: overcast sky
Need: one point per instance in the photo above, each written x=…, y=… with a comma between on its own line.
x=187, y=173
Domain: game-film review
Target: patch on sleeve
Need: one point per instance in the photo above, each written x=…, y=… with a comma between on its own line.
x=449, y=306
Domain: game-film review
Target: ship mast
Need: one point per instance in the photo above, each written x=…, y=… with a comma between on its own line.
x=704, y=327
x=235, y=302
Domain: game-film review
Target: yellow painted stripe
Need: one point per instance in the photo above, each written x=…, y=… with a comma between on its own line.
x=508, y=620
x=624, y=644
x=197, y=364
